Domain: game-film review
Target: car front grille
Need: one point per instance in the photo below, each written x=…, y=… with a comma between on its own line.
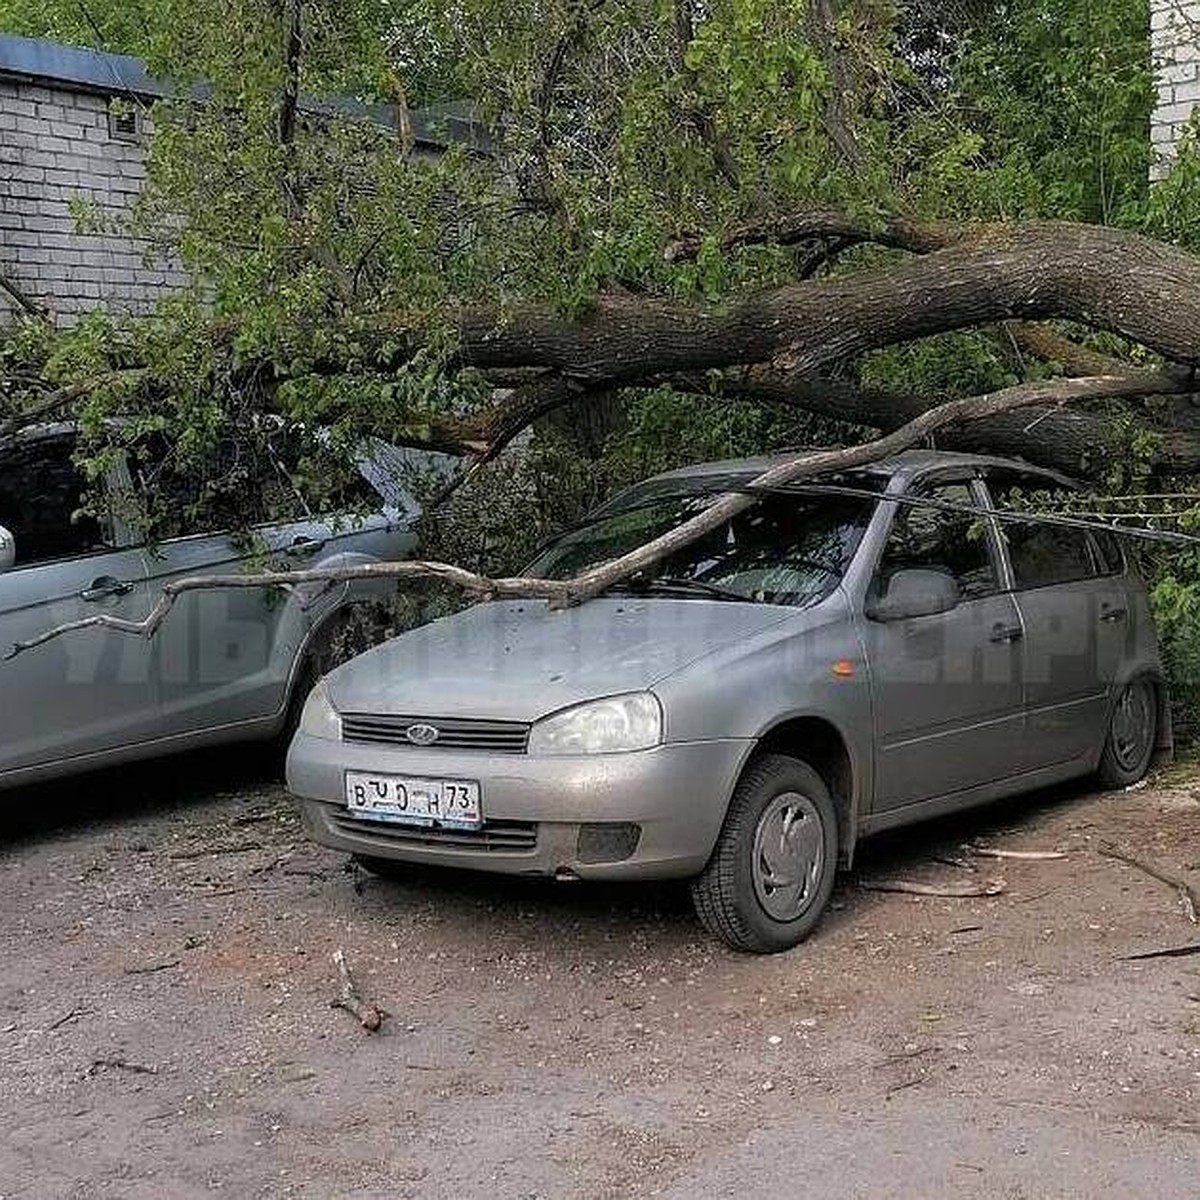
x=453, y=733
x=494, y=835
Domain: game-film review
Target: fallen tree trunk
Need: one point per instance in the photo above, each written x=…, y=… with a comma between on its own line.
x=1029, y=270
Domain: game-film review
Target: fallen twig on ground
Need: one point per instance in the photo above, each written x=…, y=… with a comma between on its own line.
x=153, y=968
x=228, y=848
x=951, y=860
x=1173, y=952
x=68, y=1016
x=1020, y=855
x=952, y=891
x=369, y=1016
x=119, y=1064
x=1189, y=899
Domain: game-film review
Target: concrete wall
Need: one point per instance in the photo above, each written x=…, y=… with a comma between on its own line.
x=55, y=145
x=1175, y=33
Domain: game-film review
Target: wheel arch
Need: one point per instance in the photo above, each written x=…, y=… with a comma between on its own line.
x=1164, y=748
x=823, y=745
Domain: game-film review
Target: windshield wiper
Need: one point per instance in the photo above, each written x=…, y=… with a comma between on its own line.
x=668, y=584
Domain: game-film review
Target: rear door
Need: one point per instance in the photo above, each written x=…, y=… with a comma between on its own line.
x=947, y=688
x=1071, y=592
x=86, y=691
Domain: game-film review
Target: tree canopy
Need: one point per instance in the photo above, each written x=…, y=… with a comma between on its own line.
x=710, y=225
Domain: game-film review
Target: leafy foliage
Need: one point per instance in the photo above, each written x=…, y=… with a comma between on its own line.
x=618, y=126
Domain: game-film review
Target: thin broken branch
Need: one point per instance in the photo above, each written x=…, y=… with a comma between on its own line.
x=959, y=890
x=896, y=233
x=1019, y=855
x=369, y=1016
x=1189, y=899
x=564, y=593
x=18, y=296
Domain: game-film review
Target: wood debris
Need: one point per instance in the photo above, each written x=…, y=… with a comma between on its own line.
x=1189, y=899
x=370, y=1017
x=1019, y=855
x=1172, y=952
x=961, y=890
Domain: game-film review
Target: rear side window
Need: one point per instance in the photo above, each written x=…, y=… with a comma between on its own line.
x=1042, y=554
x=274, y=479
x=42, y=500
x=935, y=539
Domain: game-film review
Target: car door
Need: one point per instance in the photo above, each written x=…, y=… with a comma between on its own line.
x=87, y=691
x=947, y=689
x=1075, y=613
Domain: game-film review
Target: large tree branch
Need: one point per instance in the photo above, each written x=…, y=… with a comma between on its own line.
x=583, y=587
x=897, y=233
x=822, y=27
x=993, y=273
x=1070, y=440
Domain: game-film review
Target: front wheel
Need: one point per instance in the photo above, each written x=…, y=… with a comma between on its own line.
x=772, y=871
x=1132, y=735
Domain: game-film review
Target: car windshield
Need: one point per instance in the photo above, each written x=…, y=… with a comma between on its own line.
x=787, y=549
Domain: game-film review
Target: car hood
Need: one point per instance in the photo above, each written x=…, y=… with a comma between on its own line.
x=520, y=660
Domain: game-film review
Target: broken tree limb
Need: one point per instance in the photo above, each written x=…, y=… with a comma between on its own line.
x=564, y=593
x=369, y=1016
x=896, y=233
x=1020, y=855
x=991, y=273
x=1072, y=440
x=1189, y=899
x=17, y=295
x=1171, y=952
x=963, y=890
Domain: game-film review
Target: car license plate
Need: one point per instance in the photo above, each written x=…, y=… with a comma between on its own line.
x=450, y=803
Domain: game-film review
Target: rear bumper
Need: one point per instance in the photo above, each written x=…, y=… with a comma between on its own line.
x=676, y=795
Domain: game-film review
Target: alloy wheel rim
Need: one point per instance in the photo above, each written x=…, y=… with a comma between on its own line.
x=1132, y=723
x=789, y=856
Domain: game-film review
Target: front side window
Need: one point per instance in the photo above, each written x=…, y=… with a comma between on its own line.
x=42, y=501
x=941, y=539
x=787, y=549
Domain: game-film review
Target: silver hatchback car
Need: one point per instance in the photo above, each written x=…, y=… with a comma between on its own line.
x=847, y=656
x=225, y=664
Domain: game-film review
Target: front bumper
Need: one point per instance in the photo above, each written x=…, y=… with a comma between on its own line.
x=535, y=807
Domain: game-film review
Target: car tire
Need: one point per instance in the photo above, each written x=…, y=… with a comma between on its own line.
x=1132, y=735
x=761, y=900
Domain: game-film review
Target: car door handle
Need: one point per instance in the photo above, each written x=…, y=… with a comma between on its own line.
x=105, y=588
x=1007, y=634
x=1111, y=614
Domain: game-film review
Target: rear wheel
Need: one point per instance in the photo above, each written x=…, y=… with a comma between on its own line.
x=773, y=868
x=1132, y=735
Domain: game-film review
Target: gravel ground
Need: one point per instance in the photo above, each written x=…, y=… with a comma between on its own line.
x=166, y=1028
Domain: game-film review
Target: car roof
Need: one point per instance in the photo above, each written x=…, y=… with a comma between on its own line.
x=905, y=466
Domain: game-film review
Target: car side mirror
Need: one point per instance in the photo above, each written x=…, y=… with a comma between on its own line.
x=916, y=593
x=8, y=549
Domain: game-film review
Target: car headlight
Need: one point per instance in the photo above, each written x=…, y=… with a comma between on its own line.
x=319, y=718
x=611, y=726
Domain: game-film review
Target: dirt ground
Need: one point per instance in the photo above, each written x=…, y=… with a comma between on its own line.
x=166, y=1031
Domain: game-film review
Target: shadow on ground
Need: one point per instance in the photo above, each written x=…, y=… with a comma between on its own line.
x=194, y=783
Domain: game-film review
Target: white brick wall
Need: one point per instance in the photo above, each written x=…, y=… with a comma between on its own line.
x=1175, y=33
x=55, y=147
